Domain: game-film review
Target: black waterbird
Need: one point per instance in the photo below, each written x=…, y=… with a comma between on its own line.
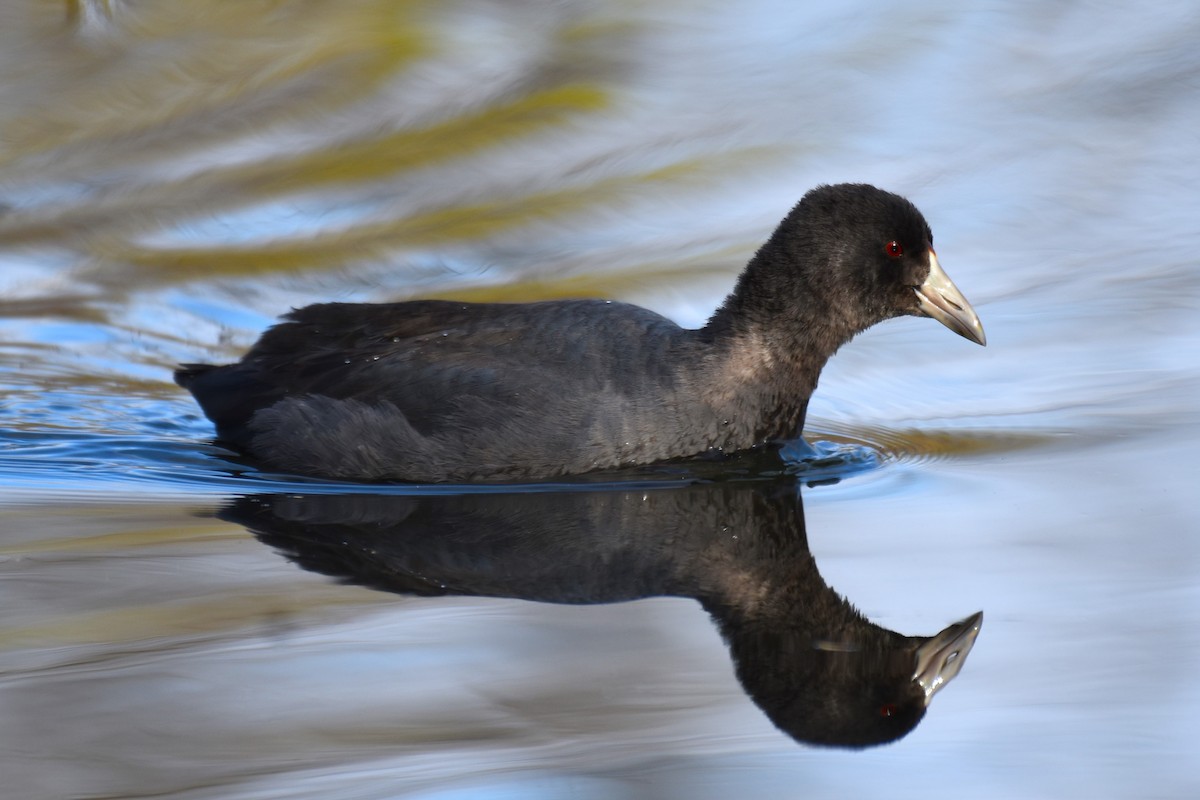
x=448, y=391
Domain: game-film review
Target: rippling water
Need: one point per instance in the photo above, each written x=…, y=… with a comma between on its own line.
x=173, y=176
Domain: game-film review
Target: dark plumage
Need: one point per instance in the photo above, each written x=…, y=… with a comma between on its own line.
x=818, y=668
x=435, y=390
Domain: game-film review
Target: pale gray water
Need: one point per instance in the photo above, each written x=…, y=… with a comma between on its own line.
x=177, y=174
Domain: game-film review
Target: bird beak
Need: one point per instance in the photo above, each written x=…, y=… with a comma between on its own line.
x=940, y=658
x=941, y=299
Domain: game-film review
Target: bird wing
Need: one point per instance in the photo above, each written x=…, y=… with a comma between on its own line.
x=436, y=361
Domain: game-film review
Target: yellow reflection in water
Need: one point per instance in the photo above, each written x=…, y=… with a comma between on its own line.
x=127, y=121
x=439, y=226
x=122, y=69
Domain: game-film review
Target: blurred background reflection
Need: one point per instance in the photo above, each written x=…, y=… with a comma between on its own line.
x=175, y=175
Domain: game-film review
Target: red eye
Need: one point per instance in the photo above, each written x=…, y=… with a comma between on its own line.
x=893, y=249
x=888, y=710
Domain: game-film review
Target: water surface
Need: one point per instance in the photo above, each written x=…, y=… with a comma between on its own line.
x=175, y=176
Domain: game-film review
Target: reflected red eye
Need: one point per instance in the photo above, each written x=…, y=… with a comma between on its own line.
x=894, y=249
x=888, y=710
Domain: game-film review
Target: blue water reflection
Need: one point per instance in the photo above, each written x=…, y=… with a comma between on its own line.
x=173, y=178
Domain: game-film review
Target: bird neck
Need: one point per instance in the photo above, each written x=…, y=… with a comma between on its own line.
x=768, y=342
x=782, y=589
x=774, y=307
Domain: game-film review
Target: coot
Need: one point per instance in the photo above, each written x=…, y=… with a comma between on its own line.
x=434, y=390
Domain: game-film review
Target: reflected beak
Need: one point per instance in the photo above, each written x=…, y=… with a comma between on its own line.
x=940, y=658
x=941, y=299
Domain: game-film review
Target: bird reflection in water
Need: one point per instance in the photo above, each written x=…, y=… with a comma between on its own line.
x=820, y=670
